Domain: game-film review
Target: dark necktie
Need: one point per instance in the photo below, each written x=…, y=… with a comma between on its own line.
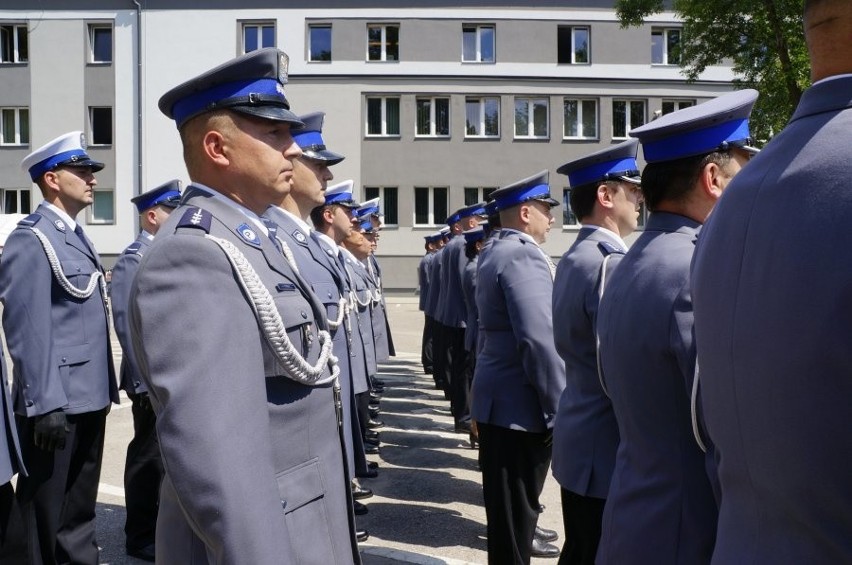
x=79, y=231
x=272, y=228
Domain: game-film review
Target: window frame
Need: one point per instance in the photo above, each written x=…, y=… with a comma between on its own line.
x=567, y=211
x=665, y=31
x=374, y=191
x=530, y=102
x=90, y=137
x=259, y=24
x=384, y=43
x=318, y=26
x=478, y=27
x=573, y=46
x=91, y=219
x=580, y=112
x=93, y=27
x=481, y=194
x=19, y=200
x=431, y=205
x=384, y=98
x=628, y=127
x=690, y=102
x=16, y=43
x=433, y=122
x=481, y=100
x=18, y=142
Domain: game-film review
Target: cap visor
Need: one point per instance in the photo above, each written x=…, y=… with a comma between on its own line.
x=548, y=200
x=274, y=113
x=327, y=157
x=83, y=163
x=632, y=180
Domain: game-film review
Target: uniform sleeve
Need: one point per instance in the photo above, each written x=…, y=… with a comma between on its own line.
x=528, y=288
x=26, y=291
x=198, y=346
x=682, y=337
x=122, y=279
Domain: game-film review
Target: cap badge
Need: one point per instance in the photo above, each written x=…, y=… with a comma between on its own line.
x=248, y=234
x=299, y=236
x=83, y=141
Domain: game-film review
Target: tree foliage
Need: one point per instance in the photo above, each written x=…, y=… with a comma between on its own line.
x=762, y=39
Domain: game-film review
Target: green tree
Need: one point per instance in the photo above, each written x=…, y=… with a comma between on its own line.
x=763, y=39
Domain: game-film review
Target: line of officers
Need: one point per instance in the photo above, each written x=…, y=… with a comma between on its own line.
x=593, y=365
x=252, y=320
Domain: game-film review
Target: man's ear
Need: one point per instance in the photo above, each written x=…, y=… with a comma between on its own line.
x=711, y=180
x=50, y=183
x=215, y=147
x=604, y=196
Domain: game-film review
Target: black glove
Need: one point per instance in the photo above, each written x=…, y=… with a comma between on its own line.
x=548, y=438
x=50, y=429
x=145, y=402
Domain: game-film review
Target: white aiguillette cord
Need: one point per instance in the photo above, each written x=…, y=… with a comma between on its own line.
x=97, y=278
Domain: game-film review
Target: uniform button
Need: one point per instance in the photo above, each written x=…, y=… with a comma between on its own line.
x=304, y=315
x=29, y=403
x=136, y=383
x=64, y=359
x=78, y=269
x=283, y=503
x=329, y=295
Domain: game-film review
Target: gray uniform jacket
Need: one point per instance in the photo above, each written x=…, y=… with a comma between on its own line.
x=660, y=509
x=433, y=301
x=453, y=260
x=423, y=279
x=10, y=450
x=585, y=435
x=519, y=376
x=376, y=271
x=471, y=331
x=773, y=321
x=317, y=269
x=60, y=345
x=358, y=279
x=253, y=460
x=122, y=279
x=378, y=314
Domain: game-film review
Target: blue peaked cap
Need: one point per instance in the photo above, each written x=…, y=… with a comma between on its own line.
x=613, y=163
x=715, y=125
x=167, y=194
x=477, y=209
x=535, y=187
x=474, y=234
x=251, y=84
x=309, y=138
x=67, y=150
x=341, y=193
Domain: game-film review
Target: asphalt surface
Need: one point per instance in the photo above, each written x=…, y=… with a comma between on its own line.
x=427, y=507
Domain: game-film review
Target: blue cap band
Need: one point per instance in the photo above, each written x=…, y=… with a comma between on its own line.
x=367, y=211
x=471, y=211
x=144, y=203
x=200, y=101
x=491, y=208
x=695, y=142
x=474, y=235
x=42, y=167
x=308, y=138
x=599, y=171
x=367, y=225
x=517, y=197
x=339, y=197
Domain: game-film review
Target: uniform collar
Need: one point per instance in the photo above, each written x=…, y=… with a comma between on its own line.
x=299, y=221
x=525, y=236
x=63, y=215
x=235, y=205
x=148, y=236
x=329, y=242
x=607, y=233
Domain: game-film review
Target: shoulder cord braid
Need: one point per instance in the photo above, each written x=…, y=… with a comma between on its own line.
x=296, y=367
x=598, y=335
x=693, y=409
x=341, y=306
x=97, y=278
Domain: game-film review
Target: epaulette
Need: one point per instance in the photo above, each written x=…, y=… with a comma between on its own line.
x=196, y=218
x=134, y=249
x=608, y=248
x=30, y=220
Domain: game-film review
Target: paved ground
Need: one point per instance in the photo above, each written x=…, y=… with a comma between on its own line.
x=428, y=503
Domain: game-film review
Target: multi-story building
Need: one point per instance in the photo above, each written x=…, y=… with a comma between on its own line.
x=433, y=103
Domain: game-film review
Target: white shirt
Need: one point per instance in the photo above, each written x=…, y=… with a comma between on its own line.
x=62, y=214
x=299, y=221
x=611, y=233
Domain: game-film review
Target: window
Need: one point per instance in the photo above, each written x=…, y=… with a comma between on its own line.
x=100, y=43
x=319, y=37
x=476, y=195
x=14, y=47
x=16, y=201
x=531, y=117
x=482, y=116
x=580, y=119
x=389, y=198
x=100, y=125
x=477, y=43
x=382, y=115
x=102, y=210
x=433, y=117
x=670, y=106
x=568, y=217
x=665, y=47
x=14, y=126
x=257, y=35
x=572, y=45
x=383, y=42
x=430, y=205
x=626, y=115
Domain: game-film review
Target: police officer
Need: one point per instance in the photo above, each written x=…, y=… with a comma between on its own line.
x=11, y=544
x=660, y=508
x=605, y=197
x=423, y=288
x=234, y=346
x=771, y=284
x=370, y=231
x=143, y=469
x=375, y=215
x=55, y=317
x=311, y=174
x=519, y=376
x=433, y=306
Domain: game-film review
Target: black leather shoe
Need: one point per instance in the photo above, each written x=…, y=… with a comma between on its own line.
x=368, y=474
x=372, y=465
x=543, y=549
x=371, y=449
x=462, y=428
x=372, y=434
x=360, y=493
x=374, y=413
x=362, y=535
x=373, y=424
x=378, y=382
x=360, y=509
x=546, y=535
x=371, y=441
x=375, y=396
x=145, y=553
